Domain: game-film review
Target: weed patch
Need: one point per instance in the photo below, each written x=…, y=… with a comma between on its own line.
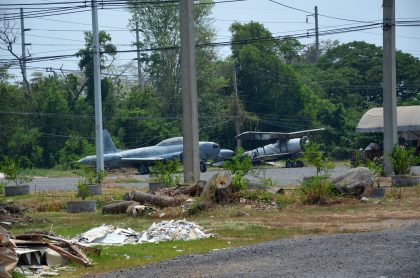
x=316, y=190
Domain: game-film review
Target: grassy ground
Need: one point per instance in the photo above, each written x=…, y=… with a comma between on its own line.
x=235, y=225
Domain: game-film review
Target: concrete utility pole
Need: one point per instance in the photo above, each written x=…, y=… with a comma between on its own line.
x=138, y=55
x=97, y=87
x=24, y=44
x=191, y=157
x=316, y=33
x=389, y=83
x=237, y=119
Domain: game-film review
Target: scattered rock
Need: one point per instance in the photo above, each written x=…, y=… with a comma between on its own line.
x=280, y=191
x=357, y=182
x=241, y=213
x=364, y=200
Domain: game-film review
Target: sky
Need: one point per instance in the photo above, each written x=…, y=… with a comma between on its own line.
x=64, y=34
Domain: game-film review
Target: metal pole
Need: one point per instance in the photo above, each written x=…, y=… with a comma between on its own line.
x=389, y=83
x=316, y=33
x=97, y=87
x=22, y=33
x=237, y=120
x=189, y=94
x=138, y=55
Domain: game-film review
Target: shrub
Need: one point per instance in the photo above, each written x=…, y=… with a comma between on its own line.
x=82, y=190
x=402, y=159
x=316, y=190
x=2, y=186
x=88, y=175
x=240, y=164
x=313, y=156
x=13, y=171
x=165, y=172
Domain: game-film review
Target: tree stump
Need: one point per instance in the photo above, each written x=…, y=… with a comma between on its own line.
x=118, y=207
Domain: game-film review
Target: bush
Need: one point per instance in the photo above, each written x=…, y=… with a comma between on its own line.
x=402, y=159
x=2, y=186
x=13, y=171
x=313, y=156
x=165, y=172
x=82, y=190
x=88, y=175
x=240, y=164
x=316, y=190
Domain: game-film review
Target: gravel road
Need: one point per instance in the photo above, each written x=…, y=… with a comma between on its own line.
x=389, y=253
x=282, y=176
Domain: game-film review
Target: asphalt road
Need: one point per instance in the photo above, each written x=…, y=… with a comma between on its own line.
x=282, y=176
x=390, y=253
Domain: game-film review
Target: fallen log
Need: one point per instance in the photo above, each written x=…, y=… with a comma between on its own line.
x=189, y=190
x=119, y=207
x=160, y=201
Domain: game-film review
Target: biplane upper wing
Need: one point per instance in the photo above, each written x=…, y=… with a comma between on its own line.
x=253, y=135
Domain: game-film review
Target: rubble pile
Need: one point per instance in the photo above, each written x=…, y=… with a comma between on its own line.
x=163, y=231
x=39, y=253
x=108, y=234
x=12, y=214
x=174, y=230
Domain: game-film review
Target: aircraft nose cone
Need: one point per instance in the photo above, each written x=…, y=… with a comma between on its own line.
x=226, y=154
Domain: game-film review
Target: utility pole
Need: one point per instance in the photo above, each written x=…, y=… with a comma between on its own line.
x=97, y=87
x=138, y=55
x=237, y=119
x=189, y=94
x=24, y=44
x=389, y=83
x=316, y=33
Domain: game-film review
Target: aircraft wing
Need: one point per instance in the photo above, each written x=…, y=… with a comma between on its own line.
x=151, y=159
x=252, y=135
x=142, y=159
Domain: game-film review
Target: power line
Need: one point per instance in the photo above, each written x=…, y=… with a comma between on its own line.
x=323, y=15
x=229, y=43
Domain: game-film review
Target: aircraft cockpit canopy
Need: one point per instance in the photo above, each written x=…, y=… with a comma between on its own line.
x=171, y=141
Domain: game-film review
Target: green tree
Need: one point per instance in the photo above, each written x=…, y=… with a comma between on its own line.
x=107, y=54
x=160, y=29
x=269, y=87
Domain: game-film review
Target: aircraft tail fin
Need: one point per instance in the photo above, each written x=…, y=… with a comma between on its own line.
x=109, y=146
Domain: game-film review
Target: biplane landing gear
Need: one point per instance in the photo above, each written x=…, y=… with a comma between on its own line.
x=203, y=166
x=294, y=164
x=299, y=164
x=143, y=169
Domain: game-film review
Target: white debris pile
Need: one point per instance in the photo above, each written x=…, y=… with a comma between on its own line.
x=174, y=230
x=108, y=234
x=163, y=231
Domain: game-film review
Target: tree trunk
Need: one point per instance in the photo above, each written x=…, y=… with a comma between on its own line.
x=190, y=190
x=224, y=193
x=119, y=207
x=160, y=201
x=219, y=189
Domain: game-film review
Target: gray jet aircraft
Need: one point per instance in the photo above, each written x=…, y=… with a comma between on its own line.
x=288, y=146
x=142, y=158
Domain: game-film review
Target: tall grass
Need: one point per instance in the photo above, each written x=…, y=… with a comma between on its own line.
x=316, y=190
